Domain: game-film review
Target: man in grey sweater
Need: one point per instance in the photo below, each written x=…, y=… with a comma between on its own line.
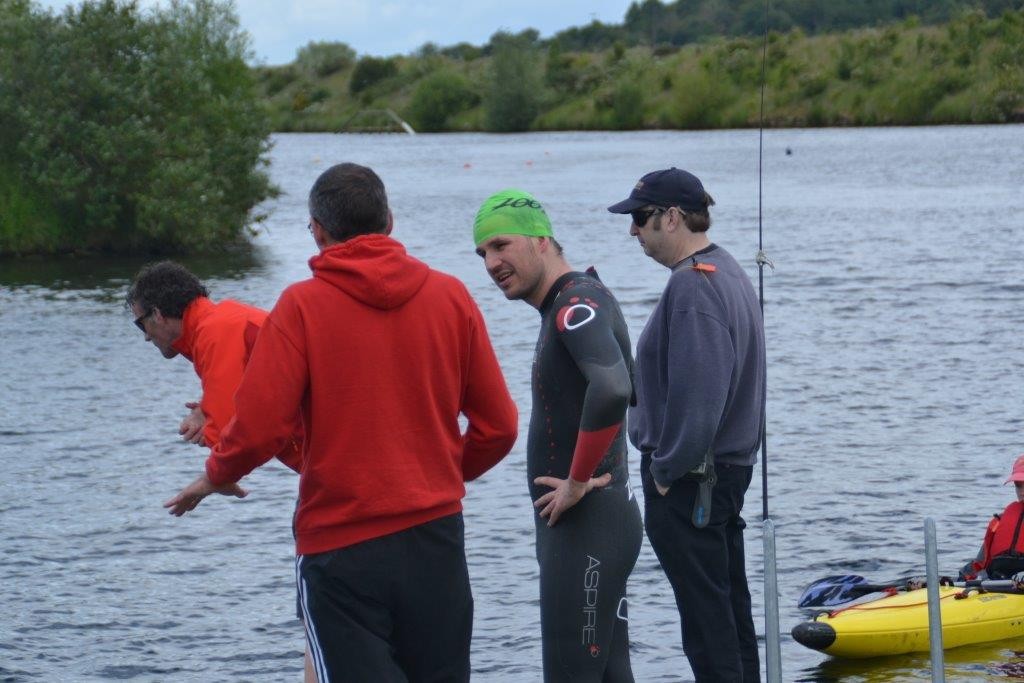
x=700, y=387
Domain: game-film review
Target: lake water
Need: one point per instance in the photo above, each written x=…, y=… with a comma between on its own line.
x=894, y=320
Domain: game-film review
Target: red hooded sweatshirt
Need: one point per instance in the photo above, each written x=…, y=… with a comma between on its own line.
x=382, y=354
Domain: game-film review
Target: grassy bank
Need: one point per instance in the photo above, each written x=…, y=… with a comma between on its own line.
x=969, y=70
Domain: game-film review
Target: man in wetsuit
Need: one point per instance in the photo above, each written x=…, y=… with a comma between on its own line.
x=383, y=356
x=588, y=522
x=700, y=388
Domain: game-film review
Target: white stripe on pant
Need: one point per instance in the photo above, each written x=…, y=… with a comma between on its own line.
x=316, y=652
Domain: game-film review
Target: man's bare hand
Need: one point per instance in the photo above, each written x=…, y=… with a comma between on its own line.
x=566, y=493
x=193, y=494
x=191, y=428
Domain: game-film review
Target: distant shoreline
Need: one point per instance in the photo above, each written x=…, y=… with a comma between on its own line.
x=969, y=70
x=649, y=130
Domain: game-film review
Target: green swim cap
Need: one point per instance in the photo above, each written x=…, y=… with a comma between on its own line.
x=511, y=212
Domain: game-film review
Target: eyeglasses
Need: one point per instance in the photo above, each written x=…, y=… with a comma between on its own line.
x=641, y=216
x=138, y=321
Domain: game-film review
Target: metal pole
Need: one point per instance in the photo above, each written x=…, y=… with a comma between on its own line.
x=773, y=655
x=934, y=610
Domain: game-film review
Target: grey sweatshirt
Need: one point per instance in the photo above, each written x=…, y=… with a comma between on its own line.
x=700, y=369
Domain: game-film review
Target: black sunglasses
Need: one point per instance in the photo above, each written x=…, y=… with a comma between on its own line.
x=138, y=321
x=641, y=216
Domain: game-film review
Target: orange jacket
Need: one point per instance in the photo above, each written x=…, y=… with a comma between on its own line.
x=1003, y=540
x=1003, y=535
x=218, y=339
x=382, y=354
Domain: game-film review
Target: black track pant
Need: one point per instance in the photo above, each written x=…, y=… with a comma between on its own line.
x=707, y=572
x=392, y=609
x=585, y=560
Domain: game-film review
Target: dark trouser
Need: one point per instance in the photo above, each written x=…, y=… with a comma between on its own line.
x=391, y=609
x=585, y=560
x=707, y=572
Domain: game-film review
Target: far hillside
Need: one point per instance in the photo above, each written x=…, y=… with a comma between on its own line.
x=967, y=69
x=688, y=21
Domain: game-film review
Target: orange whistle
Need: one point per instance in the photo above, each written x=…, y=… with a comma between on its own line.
x=704, y=267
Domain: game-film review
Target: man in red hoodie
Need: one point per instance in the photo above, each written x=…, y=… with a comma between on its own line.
x=382, y=355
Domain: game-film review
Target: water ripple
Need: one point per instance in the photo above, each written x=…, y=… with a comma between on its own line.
x=894, y=367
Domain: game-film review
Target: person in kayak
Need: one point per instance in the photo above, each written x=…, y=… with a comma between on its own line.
x=1002, y=550
x=700, y=389
x=588, y=526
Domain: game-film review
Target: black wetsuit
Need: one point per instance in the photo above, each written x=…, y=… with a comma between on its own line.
x=582, y=382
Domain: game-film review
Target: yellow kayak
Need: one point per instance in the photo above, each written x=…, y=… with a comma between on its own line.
x=899, y=623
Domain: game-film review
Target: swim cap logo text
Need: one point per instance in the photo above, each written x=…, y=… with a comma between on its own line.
x=519, y=203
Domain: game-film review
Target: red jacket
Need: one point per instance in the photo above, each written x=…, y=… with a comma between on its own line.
x=218, y=339
x=1004, y=534
x=382, y=354
x=1003, y=540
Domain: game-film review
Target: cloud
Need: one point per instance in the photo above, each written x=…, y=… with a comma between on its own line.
x=278, y=29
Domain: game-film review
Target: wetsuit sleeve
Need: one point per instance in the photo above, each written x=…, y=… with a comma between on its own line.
x=700, y=364
x=219, y=362
x=584, y=327
x=487, y=405
x=268, y=398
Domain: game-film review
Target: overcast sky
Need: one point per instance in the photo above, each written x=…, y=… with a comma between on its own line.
x=386, y=27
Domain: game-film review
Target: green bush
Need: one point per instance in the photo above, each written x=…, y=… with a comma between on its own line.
x=914, y=99
x=463, y=51
x=845, y=63
x=140, y=131
x=371, y=70
x=514, y=91
x=558, y=69
x=276, y=78
x=627, y=105
x=324, y=59
x=700, y=97
x=438, y=97
x=28, y=223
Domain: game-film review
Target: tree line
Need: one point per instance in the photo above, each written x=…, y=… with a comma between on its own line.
x=124, y=130
x=969, y=69
x=652, y=22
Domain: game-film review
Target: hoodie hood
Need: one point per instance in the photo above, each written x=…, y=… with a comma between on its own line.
x=373, y=269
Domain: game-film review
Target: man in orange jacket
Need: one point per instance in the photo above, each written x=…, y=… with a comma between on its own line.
x=172, y=308
x=382, y=354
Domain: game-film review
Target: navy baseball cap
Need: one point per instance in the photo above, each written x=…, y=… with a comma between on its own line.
x=670, y=187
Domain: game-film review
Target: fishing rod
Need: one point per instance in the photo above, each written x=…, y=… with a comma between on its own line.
x=762, y=258
x=773, y=647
